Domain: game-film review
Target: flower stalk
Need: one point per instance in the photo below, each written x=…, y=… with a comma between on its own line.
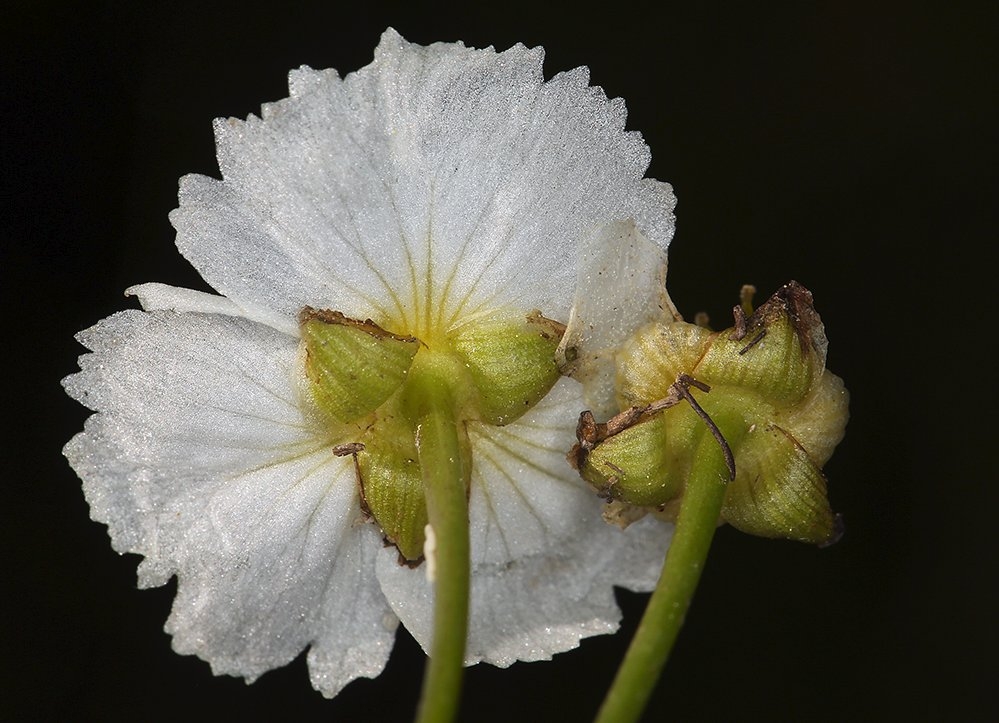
x=432, y=410
x=667, y=607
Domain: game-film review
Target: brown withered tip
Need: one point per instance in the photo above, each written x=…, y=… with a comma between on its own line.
x=587, y=436
x=402, y=561
x=548, y=328
x=358, y=478
x=328, y=316
x=793, y=301
x=590, y=432
x=343, y=450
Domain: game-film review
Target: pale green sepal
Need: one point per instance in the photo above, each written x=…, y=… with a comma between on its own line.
x=511, y=363
x=391, y=485
x=354, y=366
x=779, y=491
x=819, y=422
x=652, y=359
x=638, y=465
x=778, y=352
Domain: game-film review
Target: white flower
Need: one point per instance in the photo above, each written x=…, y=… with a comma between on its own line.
x=436, y=185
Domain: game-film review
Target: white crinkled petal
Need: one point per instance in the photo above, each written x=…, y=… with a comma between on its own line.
x=159, y=297
x=543, y=561
x=281, y=558
x=156, y=297
x=358, y=627
x=437, y=173
x=201, y=459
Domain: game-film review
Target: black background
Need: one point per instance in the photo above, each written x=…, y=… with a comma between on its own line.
x=846, y=146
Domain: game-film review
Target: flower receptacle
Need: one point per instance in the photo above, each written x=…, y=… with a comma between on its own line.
x=765, y=391
x=374, y=386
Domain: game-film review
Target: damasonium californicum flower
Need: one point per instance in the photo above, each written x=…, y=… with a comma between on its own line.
x=444, y=194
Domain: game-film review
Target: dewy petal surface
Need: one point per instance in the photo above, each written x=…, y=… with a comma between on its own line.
x=543, y=563
x=621, y=287
x=203, y=460
x=431, y=184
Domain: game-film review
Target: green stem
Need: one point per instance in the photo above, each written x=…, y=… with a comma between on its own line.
x=447, y=508
x=695, y=526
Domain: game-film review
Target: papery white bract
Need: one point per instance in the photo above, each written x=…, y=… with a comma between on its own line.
x=438, y=184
